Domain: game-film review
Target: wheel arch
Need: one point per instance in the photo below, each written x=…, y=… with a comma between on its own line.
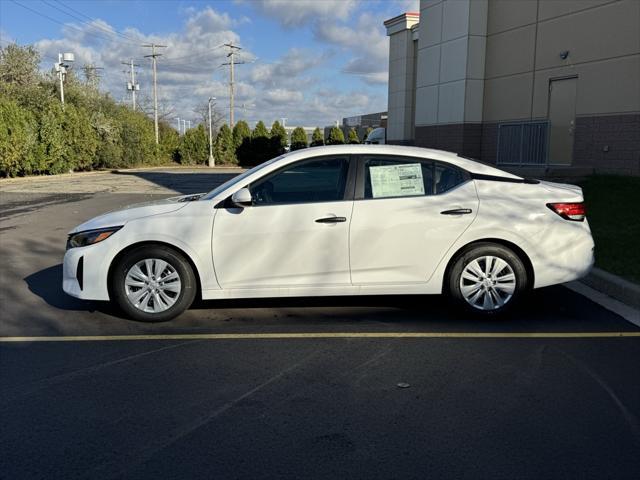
x=522, y=255
x=133, y=246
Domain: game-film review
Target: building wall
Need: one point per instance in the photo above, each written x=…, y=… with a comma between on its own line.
x=450, y=74
x=481, y=63
x=602, y=38
x=402, y=91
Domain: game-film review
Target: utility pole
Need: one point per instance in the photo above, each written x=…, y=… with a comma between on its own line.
x=132, y=86
x=153, y=56
x=91, y=74
x=61, y=68
x=231, y=63
x=212, y=162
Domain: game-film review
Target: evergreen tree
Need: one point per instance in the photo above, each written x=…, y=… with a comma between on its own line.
x=19, y=65
x=169, y=142
x=317, y=138
x=353, y=136
x=242, y=142
x=38, y=136
x=336, y=137
x=298, y=139
x=260, y=131
x=194, y=146
x=224, y=150
x=279, y=139
x=366, y=133
x=241, y=132
x=260, y=146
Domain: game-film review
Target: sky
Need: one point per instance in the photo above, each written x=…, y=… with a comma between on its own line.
x=310, y=61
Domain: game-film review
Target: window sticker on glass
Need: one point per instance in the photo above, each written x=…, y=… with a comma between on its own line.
x=396, y=180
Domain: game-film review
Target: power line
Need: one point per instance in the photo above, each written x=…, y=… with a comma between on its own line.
x=92, y=25
x=68, y=7
x=153, y=56
x=171, y=60
x=67, y=25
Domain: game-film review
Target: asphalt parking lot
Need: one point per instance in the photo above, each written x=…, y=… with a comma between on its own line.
x=370, y=387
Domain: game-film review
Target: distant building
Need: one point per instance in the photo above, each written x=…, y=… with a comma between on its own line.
x=527, y=83
x=363, y=122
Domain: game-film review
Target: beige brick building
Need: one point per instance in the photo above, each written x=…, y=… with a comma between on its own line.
x=520, y=83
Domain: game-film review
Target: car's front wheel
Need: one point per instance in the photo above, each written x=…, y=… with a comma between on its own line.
x=153, y=283
x=487, y=279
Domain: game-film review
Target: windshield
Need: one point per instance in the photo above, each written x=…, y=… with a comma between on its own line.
x=229, y=183
x=377, y=134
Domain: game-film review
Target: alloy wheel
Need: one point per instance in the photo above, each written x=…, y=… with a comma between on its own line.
x=152, y=285
x=487, y=283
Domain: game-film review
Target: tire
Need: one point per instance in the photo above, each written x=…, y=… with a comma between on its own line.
x=161, y=297
x=475, y=291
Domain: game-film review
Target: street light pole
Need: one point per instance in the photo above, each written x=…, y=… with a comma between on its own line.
x=212, y=161
x=61, y=68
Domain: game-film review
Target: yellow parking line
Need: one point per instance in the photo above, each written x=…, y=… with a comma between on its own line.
x=265, y=336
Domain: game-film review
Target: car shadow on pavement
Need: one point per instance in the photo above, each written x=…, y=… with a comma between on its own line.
x=185, y=182
x=47, y=284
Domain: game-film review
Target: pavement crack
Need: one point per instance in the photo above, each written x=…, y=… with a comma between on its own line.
x=146, y=454
x=69, y=376
x=630, y=418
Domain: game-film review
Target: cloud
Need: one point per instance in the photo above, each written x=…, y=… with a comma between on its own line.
x=287, y=69
x=404, y=6
x=282, y=96
x=295, y=85
x=208, y=20
x=367, y=42
x=300, y=12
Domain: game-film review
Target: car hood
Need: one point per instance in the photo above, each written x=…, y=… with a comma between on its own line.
x=138, y=210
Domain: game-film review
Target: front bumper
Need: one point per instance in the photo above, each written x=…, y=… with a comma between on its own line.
x=85, y=271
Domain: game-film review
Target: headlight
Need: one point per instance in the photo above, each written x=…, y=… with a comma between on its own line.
x=89, y=237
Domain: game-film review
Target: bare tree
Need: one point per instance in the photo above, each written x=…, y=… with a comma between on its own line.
x=165, y=111
x=217, y=119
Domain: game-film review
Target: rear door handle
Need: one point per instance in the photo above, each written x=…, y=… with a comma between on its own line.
x=331, y=220
x=456, y=211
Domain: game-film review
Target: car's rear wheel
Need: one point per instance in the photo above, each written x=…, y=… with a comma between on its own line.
x=153, y=283
x=487, y=279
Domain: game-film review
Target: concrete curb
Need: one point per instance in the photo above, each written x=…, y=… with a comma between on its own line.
x=616, y=287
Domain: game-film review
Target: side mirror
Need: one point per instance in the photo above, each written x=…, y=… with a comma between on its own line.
x=242, y=198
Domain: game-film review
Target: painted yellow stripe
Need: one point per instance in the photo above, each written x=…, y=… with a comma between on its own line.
x=266, y=336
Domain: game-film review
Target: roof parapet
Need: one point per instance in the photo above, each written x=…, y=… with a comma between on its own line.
x=402, y=22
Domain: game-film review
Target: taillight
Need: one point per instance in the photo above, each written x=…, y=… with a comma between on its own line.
x=569, y=211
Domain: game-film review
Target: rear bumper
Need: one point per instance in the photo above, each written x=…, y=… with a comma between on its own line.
x=565, y=261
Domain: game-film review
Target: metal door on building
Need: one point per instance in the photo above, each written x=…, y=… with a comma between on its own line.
x=562, y=119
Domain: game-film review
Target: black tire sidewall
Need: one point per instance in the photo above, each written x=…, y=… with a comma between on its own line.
x=182, y=266
x=480, y=250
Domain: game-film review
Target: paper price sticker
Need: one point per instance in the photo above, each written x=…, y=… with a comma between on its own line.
x=396, y=180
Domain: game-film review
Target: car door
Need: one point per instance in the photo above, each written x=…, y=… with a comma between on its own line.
x=406, y=215
x=295, y=234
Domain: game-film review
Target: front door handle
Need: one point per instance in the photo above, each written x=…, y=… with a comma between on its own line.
x=331, y=220
x=457, y=211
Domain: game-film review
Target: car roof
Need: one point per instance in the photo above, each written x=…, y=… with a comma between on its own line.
x=468, y=164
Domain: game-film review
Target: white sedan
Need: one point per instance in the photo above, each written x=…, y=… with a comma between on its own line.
x=340, y=220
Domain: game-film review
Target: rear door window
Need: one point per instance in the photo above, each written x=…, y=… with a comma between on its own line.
x=390, y=177
x=397, y=177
